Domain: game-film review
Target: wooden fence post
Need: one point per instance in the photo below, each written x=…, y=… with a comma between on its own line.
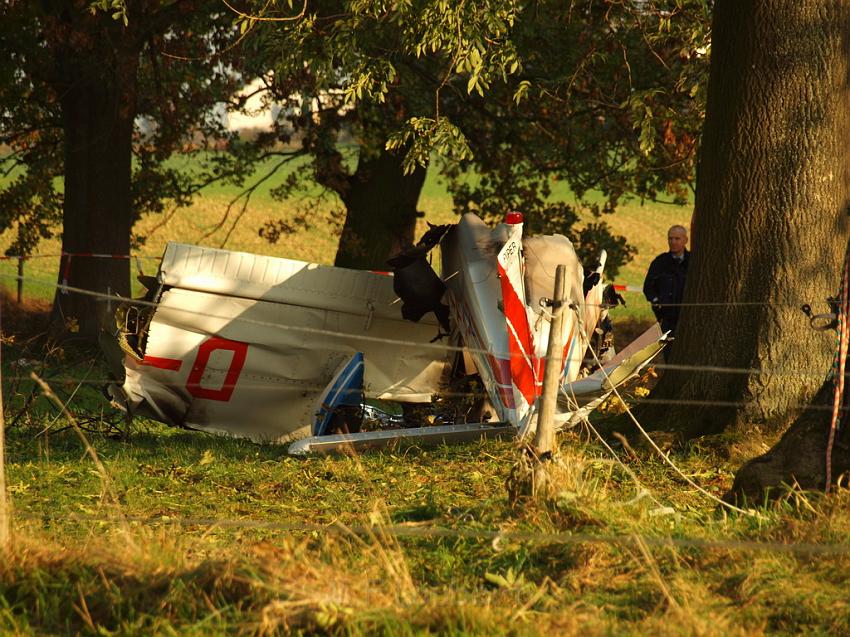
x=544, y=437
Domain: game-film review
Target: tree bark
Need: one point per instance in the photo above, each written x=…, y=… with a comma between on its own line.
x=771, y=217
x=97, y=98
x=381, y=212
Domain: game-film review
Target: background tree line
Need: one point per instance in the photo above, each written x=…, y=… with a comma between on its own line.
x=605, y=97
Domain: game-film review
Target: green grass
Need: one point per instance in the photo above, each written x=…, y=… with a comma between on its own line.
x=325, y=544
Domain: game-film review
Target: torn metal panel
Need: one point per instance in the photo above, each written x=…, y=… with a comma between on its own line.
x=224, y=352
x=542, y=256
x=279, y=280
x=498, y=282
x=469, y=253
x=577, y=399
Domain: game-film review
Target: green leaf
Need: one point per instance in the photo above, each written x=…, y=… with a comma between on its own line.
x=521, y=91
x=647, y=136
x=497, y=580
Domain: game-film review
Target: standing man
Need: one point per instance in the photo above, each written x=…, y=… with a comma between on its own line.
x=665, y=282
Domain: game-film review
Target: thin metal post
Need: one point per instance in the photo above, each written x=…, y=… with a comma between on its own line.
x=544, y=437
x=4, y=506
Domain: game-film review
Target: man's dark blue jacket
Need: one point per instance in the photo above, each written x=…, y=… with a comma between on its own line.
x=665, y=285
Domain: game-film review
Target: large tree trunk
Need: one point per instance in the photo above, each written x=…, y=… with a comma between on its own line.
x=771, y=217
x=98, y=109
x=381, y=212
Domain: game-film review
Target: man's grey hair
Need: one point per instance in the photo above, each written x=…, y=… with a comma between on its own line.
x=678, y=227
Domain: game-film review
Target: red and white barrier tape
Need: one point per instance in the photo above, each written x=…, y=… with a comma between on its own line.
x=628, y=288
x=69, y=257
x=839, y=364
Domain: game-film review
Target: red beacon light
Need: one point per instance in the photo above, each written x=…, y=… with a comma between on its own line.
x=513, y=218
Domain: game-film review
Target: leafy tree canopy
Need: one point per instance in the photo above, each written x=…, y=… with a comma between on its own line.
x=602, y=96
x=606, y=97
x=177, y=66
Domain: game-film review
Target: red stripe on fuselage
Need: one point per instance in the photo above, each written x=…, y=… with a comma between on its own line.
x=519, y=340
x=171, y=364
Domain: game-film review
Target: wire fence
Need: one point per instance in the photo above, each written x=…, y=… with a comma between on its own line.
x=70, y=256
x=439, y=348
x=442, y=349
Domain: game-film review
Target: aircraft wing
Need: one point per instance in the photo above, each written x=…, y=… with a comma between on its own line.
x=244, y=344
x=626, y=365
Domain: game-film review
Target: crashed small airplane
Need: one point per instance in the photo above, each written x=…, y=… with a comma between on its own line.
x=279, y=350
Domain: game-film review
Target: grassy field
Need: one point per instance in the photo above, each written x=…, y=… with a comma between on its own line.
x=208, y=222
x=175, y=532
x=186, y=533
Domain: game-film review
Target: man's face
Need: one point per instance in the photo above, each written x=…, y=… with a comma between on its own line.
x=677, y=239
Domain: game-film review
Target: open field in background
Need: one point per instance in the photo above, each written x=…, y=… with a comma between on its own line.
x=644, y=226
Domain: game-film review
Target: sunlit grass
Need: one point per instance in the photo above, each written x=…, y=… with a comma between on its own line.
x=215, y=536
